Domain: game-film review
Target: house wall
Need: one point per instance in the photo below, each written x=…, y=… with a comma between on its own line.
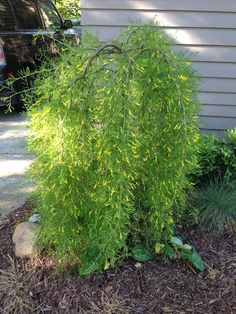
x=206, y=28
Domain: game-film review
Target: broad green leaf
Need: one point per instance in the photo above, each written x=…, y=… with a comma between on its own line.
x=88, y=268
x=175, y=241
x=195, y=259
x=158, y=247
x=186, y=247
x=107, y=265
x=141, y=254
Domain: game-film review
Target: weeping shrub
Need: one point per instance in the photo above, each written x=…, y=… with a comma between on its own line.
x=114, y=132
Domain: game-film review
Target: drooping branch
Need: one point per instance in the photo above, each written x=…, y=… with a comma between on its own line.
x=95, y=54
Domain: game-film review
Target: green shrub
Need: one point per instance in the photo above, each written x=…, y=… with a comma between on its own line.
x=217, y=162
x=231, y=136
x=217, y=158
x=209, y=156
x=114, y=132
x=217, y=206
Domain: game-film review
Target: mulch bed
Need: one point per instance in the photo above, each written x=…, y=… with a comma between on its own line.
x=159, y=286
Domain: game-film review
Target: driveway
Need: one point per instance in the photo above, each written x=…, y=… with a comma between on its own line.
x=14, y=161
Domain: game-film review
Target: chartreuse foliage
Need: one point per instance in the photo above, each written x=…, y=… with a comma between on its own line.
x=113, y=129
x=68, y=8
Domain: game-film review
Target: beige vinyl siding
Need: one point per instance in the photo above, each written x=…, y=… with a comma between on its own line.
x=169, y=19
x=210, y=54
x=162, y=5
x=205, y=29
x=224, y=111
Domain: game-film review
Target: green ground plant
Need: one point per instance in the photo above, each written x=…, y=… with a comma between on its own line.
x=215, y=176
x=217, y=206
x=114, y=130
x=217, y=157
x=231, y=136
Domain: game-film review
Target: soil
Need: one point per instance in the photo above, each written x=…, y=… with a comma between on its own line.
x=158, y=286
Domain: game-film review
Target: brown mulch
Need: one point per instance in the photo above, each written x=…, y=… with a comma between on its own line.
x=159, y=286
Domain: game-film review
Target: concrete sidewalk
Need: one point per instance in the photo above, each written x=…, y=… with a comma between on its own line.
x=14, y=160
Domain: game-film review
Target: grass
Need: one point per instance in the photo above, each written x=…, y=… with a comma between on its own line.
x=217, y=205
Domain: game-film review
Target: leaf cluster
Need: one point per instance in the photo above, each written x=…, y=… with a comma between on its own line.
x=68, y=8
x=185, y=251
x=217, y=157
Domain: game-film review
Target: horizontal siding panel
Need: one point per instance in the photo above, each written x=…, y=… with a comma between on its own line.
x=218, y=111
x=215, y=132
x=217, y=70
x=206, y=37
x=188, y=5
x=218, y=98
x=218, y=85
x=210, y=54
x=170, y=19
x=217, y=123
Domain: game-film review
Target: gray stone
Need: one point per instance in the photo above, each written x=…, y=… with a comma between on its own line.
x=35, y=218
x=24, y=240
x=138, y=265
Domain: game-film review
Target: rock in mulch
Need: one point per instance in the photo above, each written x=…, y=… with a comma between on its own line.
x=24, y=240
x=35, y=218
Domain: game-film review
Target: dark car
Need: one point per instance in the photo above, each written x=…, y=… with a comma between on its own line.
x=77, y=29
x=20, y=21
